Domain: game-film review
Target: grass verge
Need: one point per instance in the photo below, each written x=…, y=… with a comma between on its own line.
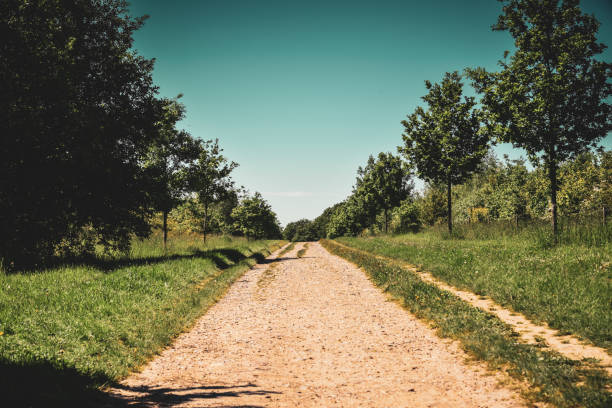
x=69, y=330
x=551, y=377
x=567, y=286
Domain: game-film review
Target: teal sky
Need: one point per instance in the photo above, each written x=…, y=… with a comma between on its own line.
x=300, y=93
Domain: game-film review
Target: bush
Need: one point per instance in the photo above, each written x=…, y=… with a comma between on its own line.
x=406, y=218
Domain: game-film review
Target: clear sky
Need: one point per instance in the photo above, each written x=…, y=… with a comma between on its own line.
x=300, y=93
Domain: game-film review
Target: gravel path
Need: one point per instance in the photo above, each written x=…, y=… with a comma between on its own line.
x=311, y=332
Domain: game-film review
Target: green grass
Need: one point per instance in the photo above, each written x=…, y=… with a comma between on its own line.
x=71, y=329
x=551, y=377
x=286, y=249
x=568, y=285
x=302, y=251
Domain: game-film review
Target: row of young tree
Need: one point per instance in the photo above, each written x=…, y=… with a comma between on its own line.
x=90, y=152
x=506, y=190
x=550, y=98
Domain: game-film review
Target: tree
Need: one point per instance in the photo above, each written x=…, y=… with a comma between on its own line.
x=444, y=143
x=210, y=179
x=550, y=98
x=255, y=219
x=320, y=223
x=169, y=160
x=383, y=183
x=432, y=205
x=78, y=113
x=349, y=218
x=301, y=230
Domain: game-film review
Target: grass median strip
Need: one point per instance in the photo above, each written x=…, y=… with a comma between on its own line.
x=287, y=249
x=551, y=377
x=302, y=251
x=71, y=329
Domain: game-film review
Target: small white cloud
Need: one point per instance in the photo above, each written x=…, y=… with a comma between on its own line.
x=288, y=193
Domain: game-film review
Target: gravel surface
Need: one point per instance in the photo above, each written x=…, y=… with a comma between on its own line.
x=311, y=332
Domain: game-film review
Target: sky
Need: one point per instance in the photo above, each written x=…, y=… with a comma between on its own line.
x=300, y=93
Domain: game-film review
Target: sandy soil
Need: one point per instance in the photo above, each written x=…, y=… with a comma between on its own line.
x=311, y=332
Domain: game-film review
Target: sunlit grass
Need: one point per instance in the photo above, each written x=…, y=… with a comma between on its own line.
x=550, y=377
x=566, y=285
x=98, y=321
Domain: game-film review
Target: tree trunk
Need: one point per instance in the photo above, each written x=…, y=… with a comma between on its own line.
x=449, y=206
x=516, y=220
x=552, y=174
x=386, y=222
x=165, y=228
x=205, y=224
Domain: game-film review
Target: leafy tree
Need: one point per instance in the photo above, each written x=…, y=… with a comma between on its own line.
x=210, y=179
x=507, y=198
x=383, y=183
x=444, y=143
x=320, y=223
x=602, y=196
x=255, y=219
x=550, y=98
x=349, y=218
x=405, y=217
x=78, y=115
x=301, y=230
x=169, y=160
x=221, y=214
x=432, y=205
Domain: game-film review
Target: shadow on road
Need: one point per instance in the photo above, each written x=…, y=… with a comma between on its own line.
x=44, y=385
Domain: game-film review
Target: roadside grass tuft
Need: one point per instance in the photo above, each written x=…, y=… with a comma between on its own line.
x=552, y=378
x=302, y=251
x=69, y=330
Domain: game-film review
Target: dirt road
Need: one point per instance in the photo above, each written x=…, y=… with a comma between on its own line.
x=311, y=332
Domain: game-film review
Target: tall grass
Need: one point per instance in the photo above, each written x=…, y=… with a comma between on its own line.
x=572, y=231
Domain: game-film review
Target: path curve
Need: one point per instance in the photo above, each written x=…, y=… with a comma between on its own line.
x=311, y=332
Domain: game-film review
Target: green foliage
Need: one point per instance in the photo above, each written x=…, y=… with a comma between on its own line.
x=210, y=179
x=302, y=230
x=349, y=218
x=551, y=377
x=169, y=162
x=444, y=143
x=382, y=184
x=79, y=114
x=551, y=97
x=406, y=217
x=255, y=219
x=432, y=205
x=322, y=221
x=68, y=330
x=586, y=184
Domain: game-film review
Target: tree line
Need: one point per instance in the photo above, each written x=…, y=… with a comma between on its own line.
x=550, y=97
x=90, y=151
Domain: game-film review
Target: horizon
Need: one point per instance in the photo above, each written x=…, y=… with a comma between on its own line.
x=299, y=95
